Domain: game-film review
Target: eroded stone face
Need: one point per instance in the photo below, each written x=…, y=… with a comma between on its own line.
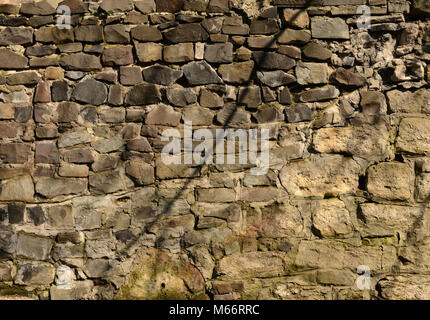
x=89, y=209
x=320, y=176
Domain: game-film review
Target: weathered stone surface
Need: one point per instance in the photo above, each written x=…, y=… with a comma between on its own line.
x=33, y=247
x=292, y=36
x=373, y=103
x=330, y=218
x=268, y=113
x=46, y=152
x=59, y=91
x=280, y=221
x=106, y=182
x=408, y=141
x=296, y=18
x=25, y=77
x=74, y=137
x=405, y=287
x=163, y=115
x=129, y=76
x=319, y=94
x=12, y=60
x=348, y=78
x=114, y=6
x=118, y=56
x=162, y=75
x=320, y=176
x=146, y=33
x=191, y=32
x=116, y=33
x=316, y=51
x=312, y=73
x=81, y=61
x=366, y=142
x=250, y=96
x=91, y=33
x=267, y=264
x=54, y=34
x=199, y=73
x=149, y=52
x=90, y=91
x=210, y=99
x=422, y=6
x=409, y=102
x=239, y=72
x=19, y=188
x=198, y=116
x=273, y=61
x=141, y=172
x=181, y=52
x=145, y=6
x=298, y=113
x=233, y=115
x=38, y=8
x=35, y=274
x=51, y=188
x=275, y=78
x=16, y=212
x=267, y=26
x=181, y=279
x=385, y=220
x=329, y=28
x=181, y=97
x=60, y=217
x=390, y=180
x=219, y=53
x=17, y=153
x=15, y=35
x=142, y=94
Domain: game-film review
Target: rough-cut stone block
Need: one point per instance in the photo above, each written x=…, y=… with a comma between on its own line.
x=319, y=176
x=391, y=181
x=366, y=142
x=329, y=28
x=409, y=131
x=51, y=188
x=33, y=247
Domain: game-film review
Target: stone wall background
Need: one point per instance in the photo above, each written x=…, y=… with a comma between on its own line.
x=89, y=211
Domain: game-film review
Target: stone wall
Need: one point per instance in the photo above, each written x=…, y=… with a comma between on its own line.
x=88, y=210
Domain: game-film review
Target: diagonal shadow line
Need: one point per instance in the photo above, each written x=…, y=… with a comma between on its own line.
x=167, y=207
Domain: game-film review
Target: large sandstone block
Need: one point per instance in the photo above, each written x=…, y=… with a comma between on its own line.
x=409, y=102
x=19, y=188
x=367, y=142
x=391, y=181
x=320, y=176
x=330, y=254
x=36, y=273
x=280, y=221
x=414, y=136
x=312, y=73
x=261, y=264
x=12, y=60
x=329, y=28
x=33, y=247
x=379, y=220
x=330, y=218
x=405, y=287
x=51, y=187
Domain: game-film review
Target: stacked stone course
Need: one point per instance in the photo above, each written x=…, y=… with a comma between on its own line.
x=88, y=209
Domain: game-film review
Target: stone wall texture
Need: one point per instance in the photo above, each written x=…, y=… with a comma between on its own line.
x=88, y=210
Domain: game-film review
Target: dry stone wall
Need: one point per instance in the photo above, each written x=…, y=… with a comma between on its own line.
x=89, y=210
